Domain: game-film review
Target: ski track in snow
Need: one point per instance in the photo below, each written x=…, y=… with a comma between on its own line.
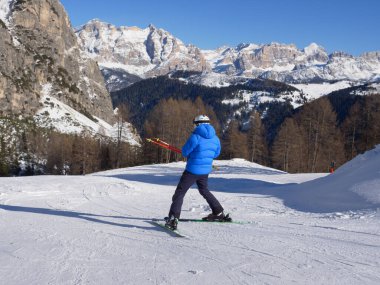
x=96, y=229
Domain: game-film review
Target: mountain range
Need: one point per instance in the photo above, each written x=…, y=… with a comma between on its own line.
x=152, y=52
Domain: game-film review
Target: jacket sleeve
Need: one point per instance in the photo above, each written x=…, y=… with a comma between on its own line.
x=190, y=145
x=218, y=149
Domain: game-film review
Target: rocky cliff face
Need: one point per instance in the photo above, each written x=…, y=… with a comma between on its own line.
x=38, y=47
x=143, y=52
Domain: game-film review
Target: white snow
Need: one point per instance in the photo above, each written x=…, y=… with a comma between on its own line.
x=65, y=119
x=317, y=90
x=137, y=70
x=5, y=10
x=96, y=229
x=311, y=49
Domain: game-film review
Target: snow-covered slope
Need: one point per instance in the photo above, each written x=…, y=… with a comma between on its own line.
x=96, y=229
x=316, y=90
x=64, y=119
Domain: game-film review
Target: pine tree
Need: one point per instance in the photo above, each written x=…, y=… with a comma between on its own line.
x=123, y=114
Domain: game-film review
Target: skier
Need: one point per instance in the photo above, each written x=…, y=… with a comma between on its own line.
x=332, y=167
x=200, y=150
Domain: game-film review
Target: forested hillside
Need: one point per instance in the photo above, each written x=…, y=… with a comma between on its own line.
x=323, y=133
x=143, y=96
x=27, y=149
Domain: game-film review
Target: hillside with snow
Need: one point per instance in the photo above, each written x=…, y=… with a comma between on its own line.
x=96, y=229
x=64, y=119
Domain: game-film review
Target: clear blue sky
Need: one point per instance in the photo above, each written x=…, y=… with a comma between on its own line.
x=337, y=25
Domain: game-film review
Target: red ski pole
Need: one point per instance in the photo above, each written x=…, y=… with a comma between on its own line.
x=163, y=144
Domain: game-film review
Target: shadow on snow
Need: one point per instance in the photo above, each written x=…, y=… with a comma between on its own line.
x=85, y=216
x=294, y=195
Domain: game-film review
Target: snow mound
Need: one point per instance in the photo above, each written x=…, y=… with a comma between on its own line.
x=354, y=186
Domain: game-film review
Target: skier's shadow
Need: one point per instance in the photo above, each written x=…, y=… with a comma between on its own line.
x=85, y=216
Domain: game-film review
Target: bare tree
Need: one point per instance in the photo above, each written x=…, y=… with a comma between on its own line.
x=322, y=136
x=171, y=120
x=235, y=142
x=257, y=147
x=122, y=116
x=288, y=147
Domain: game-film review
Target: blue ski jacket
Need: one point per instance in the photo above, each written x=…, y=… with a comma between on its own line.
x=201, y=149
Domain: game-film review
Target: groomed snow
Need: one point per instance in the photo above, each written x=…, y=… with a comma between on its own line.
x=96, y=229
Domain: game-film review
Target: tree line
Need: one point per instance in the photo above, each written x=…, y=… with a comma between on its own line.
x=26, y=149
x=333, y=128
x=329, y=130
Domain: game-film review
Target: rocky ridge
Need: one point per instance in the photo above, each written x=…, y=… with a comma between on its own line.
x=145, y=52
x=150, y=52
x=38, y=49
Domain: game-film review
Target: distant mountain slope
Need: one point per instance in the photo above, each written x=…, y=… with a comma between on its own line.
x=142, y=96
x=143, y=52
x=149, y=52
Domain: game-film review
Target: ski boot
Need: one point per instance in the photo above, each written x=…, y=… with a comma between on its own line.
x=171, y=223
x=221, y=217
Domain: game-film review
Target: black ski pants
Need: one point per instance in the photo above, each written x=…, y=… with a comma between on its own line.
x=186, y=181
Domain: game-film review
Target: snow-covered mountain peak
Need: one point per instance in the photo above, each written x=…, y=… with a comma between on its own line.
x=374, y=55
x=134, y=28
x=313, y=48
x=247, y=46
x=143, y=52
x=153, y=51
x=340, y=54
x=152, y=27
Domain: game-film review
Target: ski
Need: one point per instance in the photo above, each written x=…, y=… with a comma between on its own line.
x=218, y=222
x=174, y=233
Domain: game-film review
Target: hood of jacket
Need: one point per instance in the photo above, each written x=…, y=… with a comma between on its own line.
x=205, y=130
